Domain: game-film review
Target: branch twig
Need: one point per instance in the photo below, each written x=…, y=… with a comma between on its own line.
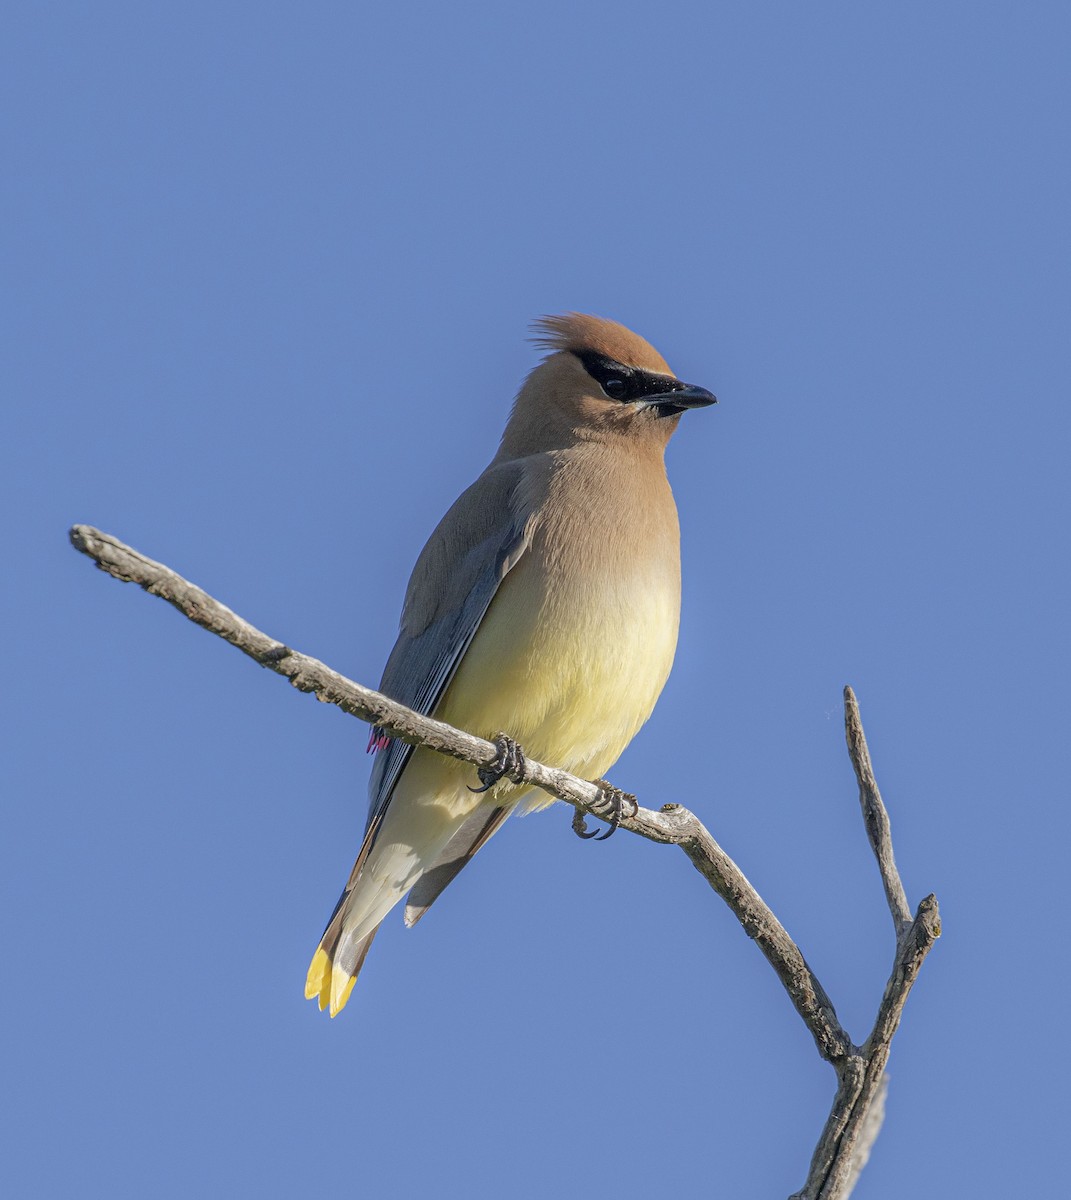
x=856, y=1115
x=875, y=818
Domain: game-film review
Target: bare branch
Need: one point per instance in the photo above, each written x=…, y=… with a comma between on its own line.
x=859, y=1105
x=857, y=1110
x=674, y=825
x=869, y=1129
x=875, y=818
x=860, y=1078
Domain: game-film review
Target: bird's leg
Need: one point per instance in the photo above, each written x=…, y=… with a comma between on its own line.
x=508, y=763
x=610, y=806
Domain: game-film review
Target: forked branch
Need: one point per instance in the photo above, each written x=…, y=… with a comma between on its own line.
x=855, y=1118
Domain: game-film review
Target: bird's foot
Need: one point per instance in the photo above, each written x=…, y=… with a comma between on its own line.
x=611, y=806
x=508, y=763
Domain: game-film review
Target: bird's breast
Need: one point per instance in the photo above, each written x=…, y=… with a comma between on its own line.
x=579, y=639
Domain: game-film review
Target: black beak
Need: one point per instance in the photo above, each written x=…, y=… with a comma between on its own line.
x=677, y=399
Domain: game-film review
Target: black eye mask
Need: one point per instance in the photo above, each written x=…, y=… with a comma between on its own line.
x=623, y=383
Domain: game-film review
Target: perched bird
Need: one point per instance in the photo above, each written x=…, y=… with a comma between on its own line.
x=546, y=604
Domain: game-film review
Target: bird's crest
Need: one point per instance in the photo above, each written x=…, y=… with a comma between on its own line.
x=580, y=331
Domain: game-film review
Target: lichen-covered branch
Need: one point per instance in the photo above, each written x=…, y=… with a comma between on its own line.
x=855, y=1118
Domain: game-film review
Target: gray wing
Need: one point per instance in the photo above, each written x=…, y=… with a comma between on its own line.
x=475, y=546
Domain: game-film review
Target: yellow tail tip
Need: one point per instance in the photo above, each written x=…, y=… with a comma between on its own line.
x=328, y=984
x=318, y=980
x=341, y=986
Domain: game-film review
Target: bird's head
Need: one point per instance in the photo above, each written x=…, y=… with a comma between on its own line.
x=599, y=380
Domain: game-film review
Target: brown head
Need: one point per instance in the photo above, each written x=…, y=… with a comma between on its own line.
x=598, y=381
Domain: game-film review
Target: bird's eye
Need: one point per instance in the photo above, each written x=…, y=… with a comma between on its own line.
x=616, y=380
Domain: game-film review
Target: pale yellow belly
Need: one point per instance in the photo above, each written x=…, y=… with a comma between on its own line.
x=571, y=671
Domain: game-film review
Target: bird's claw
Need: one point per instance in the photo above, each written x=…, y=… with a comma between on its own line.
x=508, y=763
x=611, y=806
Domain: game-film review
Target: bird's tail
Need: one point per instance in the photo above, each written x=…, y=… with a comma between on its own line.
x=332, y=974
x=340, y=956
x=397, y=850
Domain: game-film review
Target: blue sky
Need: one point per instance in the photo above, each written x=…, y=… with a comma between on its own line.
x=269, y=275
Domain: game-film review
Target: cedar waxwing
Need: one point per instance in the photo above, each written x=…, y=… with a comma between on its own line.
x=546, y=604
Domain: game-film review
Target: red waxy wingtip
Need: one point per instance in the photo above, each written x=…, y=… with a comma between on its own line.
x=377, y=740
